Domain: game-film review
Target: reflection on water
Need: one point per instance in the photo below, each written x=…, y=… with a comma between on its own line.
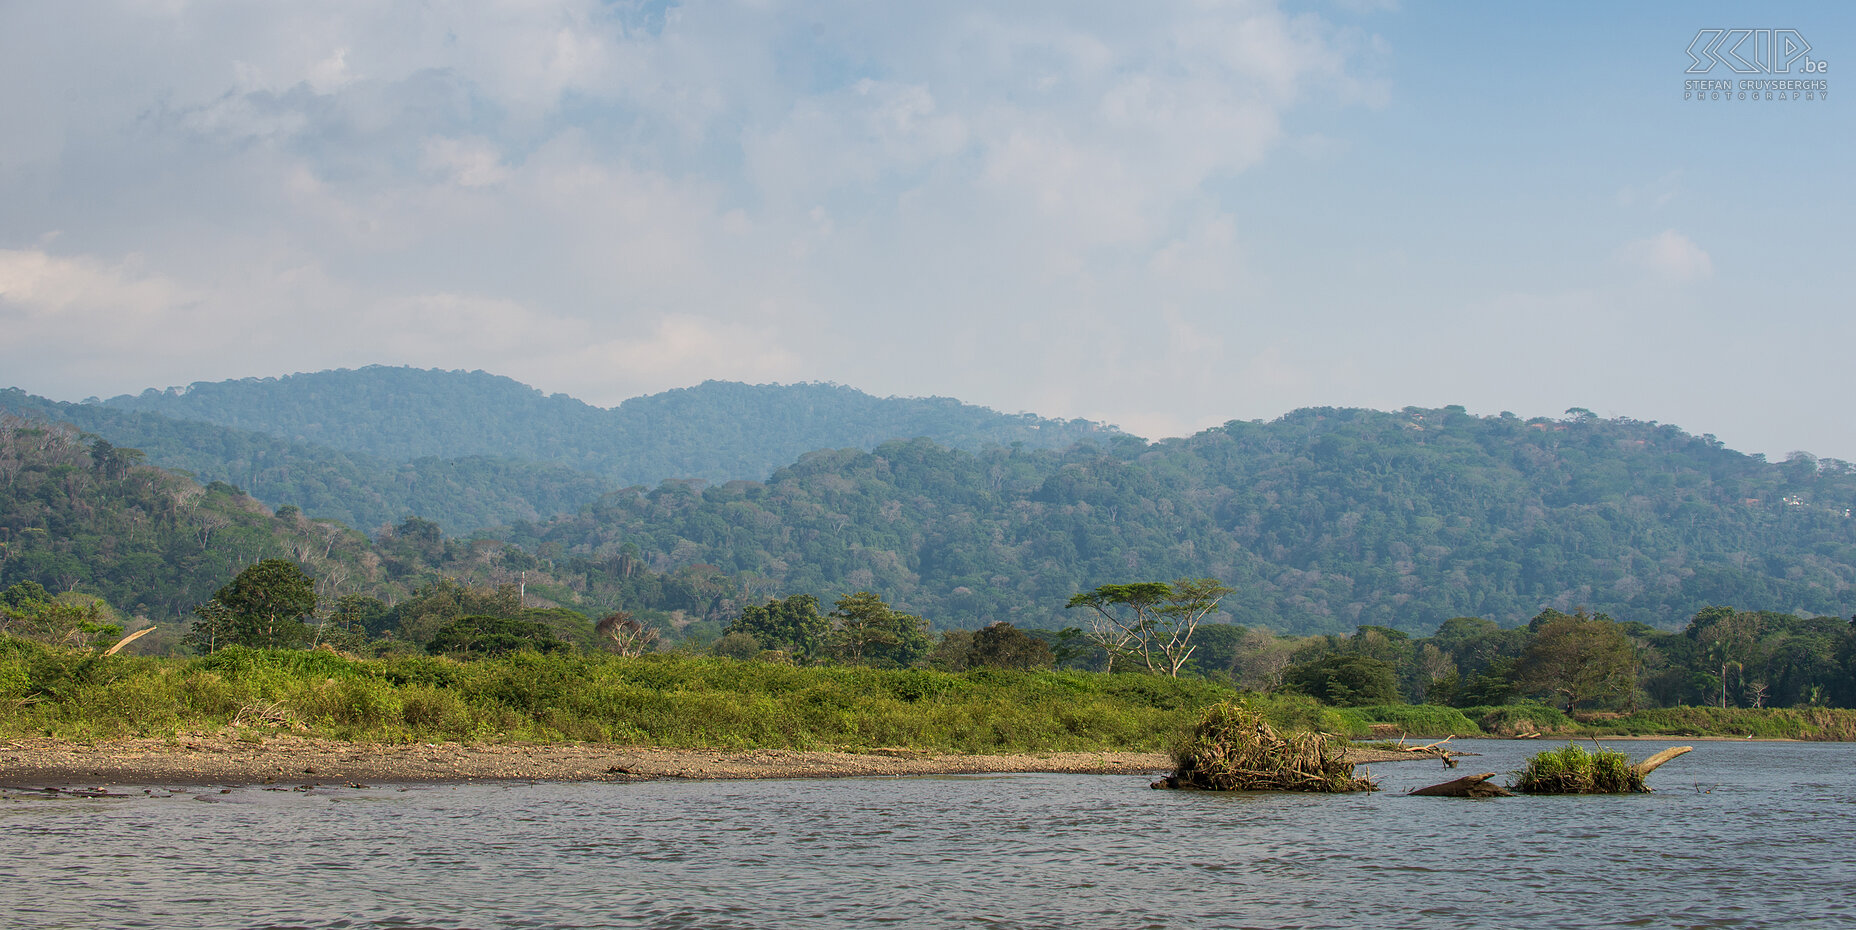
x=1737, y=835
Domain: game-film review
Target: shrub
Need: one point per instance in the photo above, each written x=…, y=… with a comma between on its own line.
x=1572, y=770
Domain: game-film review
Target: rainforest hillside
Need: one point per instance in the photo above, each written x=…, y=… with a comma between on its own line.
x=1323, y=520
x=361, y=490
x=468, y=450
x=79, y=514
x=716, y=431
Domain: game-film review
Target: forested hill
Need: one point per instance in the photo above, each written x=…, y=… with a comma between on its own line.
x=716, y=431
x=361, y=490
x=1322, y=520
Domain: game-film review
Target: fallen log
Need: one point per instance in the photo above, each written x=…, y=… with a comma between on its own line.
x=132, y=637
x=1431, y=748
x=1649, y=765
x=1469, y=786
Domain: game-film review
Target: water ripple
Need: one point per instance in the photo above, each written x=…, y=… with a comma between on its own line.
x=1741, y=835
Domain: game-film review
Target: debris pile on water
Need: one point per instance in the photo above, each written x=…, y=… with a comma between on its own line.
x=1235, y=749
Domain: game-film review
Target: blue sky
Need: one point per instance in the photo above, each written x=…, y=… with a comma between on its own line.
x=1163, y=216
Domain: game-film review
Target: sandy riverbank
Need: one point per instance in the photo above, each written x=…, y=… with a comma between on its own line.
x=223, y=761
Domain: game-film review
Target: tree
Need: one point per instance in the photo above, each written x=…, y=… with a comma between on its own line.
x=486, y=636
x=624, y=635
x=1151, y=621
x=950, y=651
x=1580, y=657
x=793, y=625
x=359, y=613
x=263, y=606
x=1003, y=645
x=1727, y=639
x=29, y=612
x=866, y=631
x=1344, y=679
x=1262, y=660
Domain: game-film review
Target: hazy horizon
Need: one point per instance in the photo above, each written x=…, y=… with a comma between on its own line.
x=1163, y=219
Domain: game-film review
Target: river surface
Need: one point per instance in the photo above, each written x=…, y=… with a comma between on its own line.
x=1736, y=835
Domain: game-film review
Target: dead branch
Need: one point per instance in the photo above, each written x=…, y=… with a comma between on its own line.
x=132, y=637
x=1649, y=765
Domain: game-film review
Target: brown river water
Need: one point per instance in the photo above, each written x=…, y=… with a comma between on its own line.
x=1736, y=835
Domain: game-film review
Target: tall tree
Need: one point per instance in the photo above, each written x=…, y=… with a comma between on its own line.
x=1003, y=645
x=793, y=625
x=266, y=604
x=1727, y=638
x=866, y=631
x=1150, y=621
x=1580, y=657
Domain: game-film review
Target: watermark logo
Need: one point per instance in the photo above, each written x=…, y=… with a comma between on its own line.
x=1755, y=52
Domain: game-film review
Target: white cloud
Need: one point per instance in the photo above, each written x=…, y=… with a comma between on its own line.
x=465, y=162
x=1670, y=256
x=53, y=288
x=970, y=199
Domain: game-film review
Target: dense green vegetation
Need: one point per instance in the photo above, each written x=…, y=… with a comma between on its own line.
x=80, y=519
x=1322, y=521
x=469, y=450
x=716, y=431
x=673, y=701
x=354, y=488
x=1573, y=770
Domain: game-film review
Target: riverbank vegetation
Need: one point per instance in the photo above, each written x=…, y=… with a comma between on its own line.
x=93, y=544
x=677, y=701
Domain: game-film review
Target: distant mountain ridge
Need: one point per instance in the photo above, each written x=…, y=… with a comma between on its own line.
x=360, y=490
x=471, y=450
x=1322, y=520
x=716, y=431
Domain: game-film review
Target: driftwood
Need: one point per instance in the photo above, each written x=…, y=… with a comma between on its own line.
x=1437, y=749
x=1469, y=786
x=132, y=637
x=1478, y=786
x=1426, y=748
x=1649, y=765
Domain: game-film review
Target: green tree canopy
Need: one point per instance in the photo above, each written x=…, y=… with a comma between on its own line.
x=1582, y=657
x=263, y=607
x=1151, y=622
x=1003, y=645
x=1344, y=680
x=866, y=631
x=793, y=625
x=486, y=636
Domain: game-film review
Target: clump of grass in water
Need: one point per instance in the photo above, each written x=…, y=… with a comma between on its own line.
x=1572, y=770
x=1234, y=749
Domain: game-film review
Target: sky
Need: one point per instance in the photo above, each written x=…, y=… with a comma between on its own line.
x=1164, y=215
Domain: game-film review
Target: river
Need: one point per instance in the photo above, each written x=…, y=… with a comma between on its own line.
x=1736, y=835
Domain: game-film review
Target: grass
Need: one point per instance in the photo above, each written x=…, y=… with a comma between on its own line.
x=1520, y=719
x=1572, y=770
x=699, y=702
x=1801, y=723
x=665, y=700
x=1425, y=720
